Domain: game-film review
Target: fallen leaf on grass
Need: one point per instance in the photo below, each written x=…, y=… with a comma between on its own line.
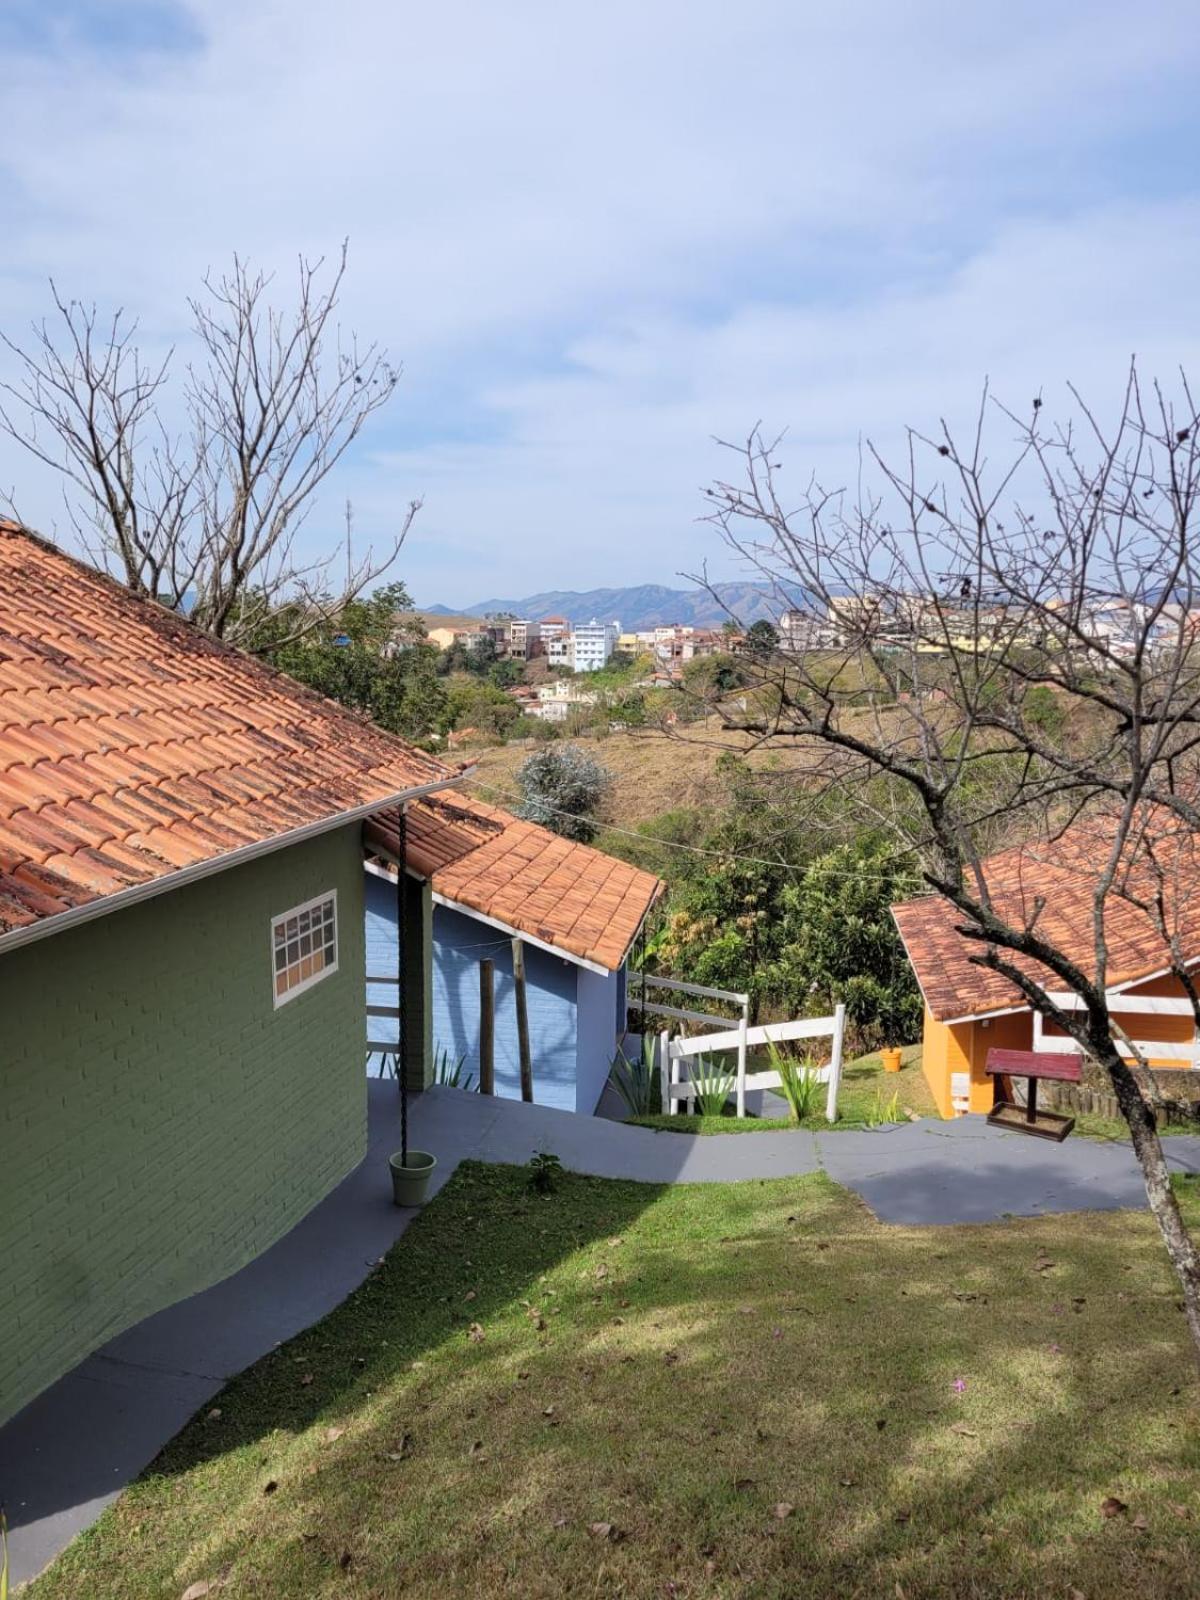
x=197, y=1591
x=605, y=1530
x=333, y=1433
x=743, y=1483
x=848, y=1483
x=1139, y=1522
x=782, y=1510
x=214, y=1413
x=962, y=1429
x=470, y=1295
x=902, y=1517
x=345, y=1560
x=547, y=1411
x=306, y=1380
x=1112, y=1507
x=476, y=1450
x=270, y=1486
x=475, y=1333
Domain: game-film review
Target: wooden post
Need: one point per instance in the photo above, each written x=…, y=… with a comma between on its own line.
x=741, y=1060
x=487, y=1028
x=518, y=950
x=835, y=1063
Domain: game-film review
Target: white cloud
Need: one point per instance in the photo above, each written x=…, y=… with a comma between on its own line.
x=598, y=236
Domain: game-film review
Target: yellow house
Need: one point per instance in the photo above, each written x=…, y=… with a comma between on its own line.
x=970, y=1009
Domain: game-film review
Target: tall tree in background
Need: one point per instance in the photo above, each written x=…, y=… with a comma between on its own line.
x=1017, y=653
x=369, y=655
x=204, y=516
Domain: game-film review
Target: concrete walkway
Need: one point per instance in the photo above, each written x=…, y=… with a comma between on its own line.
x=70, y=1452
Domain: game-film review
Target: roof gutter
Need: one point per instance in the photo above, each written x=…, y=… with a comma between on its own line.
x=103, y=905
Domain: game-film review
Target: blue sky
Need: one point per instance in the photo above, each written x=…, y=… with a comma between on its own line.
x=599, y=236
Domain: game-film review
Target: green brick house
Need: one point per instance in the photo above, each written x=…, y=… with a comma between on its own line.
x=182, y=971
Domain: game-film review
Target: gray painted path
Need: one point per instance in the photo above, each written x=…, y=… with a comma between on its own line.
x=70, y=1452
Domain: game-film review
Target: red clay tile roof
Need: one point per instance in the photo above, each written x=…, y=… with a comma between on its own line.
x=568, y=895
x=1061, y=874
x=131, y=745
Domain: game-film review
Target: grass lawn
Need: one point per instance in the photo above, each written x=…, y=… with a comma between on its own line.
x=704, y=1390
x=864, y=1101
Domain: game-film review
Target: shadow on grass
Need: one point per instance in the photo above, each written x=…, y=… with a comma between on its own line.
x=941, y=1412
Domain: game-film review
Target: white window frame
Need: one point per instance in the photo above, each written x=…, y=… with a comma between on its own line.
x=330, y=895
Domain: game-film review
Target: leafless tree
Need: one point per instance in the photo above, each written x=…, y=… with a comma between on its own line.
x=207, y=513
x=999, y=641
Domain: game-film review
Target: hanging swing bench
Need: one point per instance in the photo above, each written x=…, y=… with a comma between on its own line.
x=1033, y=1066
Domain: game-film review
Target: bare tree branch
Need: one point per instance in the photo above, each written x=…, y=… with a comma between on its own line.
x=209, y=520
x=1008, y=645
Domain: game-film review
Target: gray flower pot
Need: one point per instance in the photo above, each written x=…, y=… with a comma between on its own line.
x=410, y=1180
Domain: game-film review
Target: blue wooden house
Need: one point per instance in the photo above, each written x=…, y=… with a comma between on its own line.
x=486, y=878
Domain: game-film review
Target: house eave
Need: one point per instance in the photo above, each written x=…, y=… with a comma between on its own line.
x=105, y=905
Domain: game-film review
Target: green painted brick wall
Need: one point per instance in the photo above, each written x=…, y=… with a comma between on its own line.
x=160, y=1122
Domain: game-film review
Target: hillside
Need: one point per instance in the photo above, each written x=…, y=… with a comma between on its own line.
x=646, y=605
x=651, y=772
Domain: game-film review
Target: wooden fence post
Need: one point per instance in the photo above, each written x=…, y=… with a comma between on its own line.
x=835, y=1063
x=487, y=1028
x=518, y=951
x=741, y=1060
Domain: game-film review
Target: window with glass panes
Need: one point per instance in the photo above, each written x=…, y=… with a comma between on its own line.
x=304, y=946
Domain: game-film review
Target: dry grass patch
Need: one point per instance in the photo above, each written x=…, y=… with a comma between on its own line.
x=707, y=1390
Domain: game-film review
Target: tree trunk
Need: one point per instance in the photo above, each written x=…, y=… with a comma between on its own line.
x=1147, y=1146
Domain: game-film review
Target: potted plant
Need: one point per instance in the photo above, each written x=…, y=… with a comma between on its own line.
x=890, y=1056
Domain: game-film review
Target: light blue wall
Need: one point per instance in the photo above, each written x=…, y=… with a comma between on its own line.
x=460, y=942
x=596, y=1012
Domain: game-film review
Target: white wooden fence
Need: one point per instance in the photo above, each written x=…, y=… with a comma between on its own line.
x=706, y=1019
x=674, y=1053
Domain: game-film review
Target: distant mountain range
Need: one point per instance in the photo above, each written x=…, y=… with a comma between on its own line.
x=644, y=605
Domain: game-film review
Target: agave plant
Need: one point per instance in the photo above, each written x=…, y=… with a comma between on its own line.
x=713, y=1086
x=449, y=1071
x=637, y=1081
x=798, y=1080
x=883, y=1111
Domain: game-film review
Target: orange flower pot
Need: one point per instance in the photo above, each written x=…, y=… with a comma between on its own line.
x=890, y=1059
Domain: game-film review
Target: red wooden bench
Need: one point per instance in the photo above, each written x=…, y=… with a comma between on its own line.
x=1032, y=1065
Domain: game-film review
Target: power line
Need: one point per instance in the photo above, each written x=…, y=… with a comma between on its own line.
x=696, y=849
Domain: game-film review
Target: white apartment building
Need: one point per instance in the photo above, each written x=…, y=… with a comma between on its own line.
x=592, y=643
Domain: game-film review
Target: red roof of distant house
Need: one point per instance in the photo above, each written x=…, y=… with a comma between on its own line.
x=133, y=747
x=571, y=896
x=1056, y=880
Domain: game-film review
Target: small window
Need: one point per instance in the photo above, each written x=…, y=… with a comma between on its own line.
x=304, y=946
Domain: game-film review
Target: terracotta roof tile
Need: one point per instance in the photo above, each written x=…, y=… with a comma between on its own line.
x=1055, y=882
x=568, y=895
x=132, y=745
